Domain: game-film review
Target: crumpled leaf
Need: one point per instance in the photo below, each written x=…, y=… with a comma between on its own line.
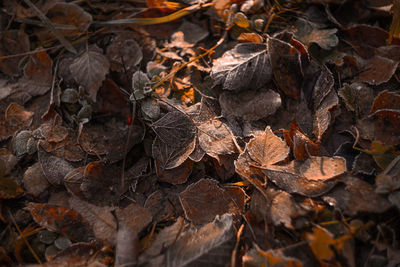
x=89, y=70
x=62, y=220
x=356, y=197
x=285, y=62
x=267, y=149
x=250, y=105
x=308, y=32
x=244, y=67
x=204, y=200
x=357, y=97
x=175, y=129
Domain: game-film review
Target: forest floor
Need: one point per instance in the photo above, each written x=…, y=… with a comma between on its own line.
x=191, y=133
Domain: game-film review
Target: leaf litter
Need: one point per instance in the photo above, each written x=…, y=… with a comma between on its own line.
x=246, y=133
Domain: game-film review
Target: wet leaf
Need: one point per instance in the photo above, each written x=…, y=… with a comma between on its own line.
x=244, y=67
x=204, y=200
x=62, y=220
x=89, y=70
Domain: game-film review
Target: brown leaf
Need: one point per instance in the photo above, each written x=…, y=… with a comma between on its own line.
x=159, y=206
x=389, y=180
x=178, y=175
x=175, y=129
x=310, y=178
x=378, y=70
x=89, y=70
x=324, y=115
x=13, y=42
x=245, y=66
x=204, y=200
x=273, y=258
x=9, y=188
x=16, y=118
x=124, y=53
x=109, y=138
x=250, y=105
x=286, y=66
x=62, y=220
x=134, y=217
x=54, y=168
x=355, y=197
x=70, y=18
x=215, y=138
x=267, y=149
x=169, y=157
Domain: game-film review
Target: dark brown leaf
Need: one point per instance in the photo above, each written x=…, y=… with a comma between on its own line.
x=244, y=67
x=169, y=157
x=13, y=42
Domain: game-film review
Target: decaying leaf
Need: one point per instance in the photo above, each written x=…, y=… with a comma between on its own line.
x=13, y=42
x=244, y=67
x=124, y=52
x=389, y=179
x=273, y=258
x=62, y=220
x=378, y=70
x=16, y=118
x=9, y=188
x=176, y=175
x=168, y=156
x=89, y=70
x=204, y=200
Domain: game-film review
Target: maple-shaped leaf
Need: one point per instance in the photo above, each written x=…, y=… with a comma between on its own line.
x=89, y=70
x=175, y=129
x=246, y=66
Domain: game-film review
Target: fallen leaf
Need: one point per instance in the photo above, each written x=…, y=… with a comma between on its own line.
x=9, y=188
x=13, y=42
x=273, y=258
x=89, y=70
x=389, y=180
x=124, y=53
x=215, y=138
x=267, y=149
x=286, y=66
x=378, y=70
x=169, y=157
x=356, y=196
x=308, y=32
x=62, y=220
x=250, y=105
x=178, y=175
x=175, y=129
x=16, y=118
x=244, y=67
x=204, y=200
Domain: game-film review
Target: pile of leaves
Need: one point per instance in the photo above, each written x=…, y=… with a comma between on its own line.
x=192, y=133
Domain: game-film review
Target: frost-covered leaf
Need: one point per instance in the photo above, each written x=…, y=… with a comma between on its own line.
x=308, y=32
x=89, y=70
x=124, y=53
x=175, y=129
x=139, y=82
x=169, y=157
x=267, y=149
x=246, y=66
